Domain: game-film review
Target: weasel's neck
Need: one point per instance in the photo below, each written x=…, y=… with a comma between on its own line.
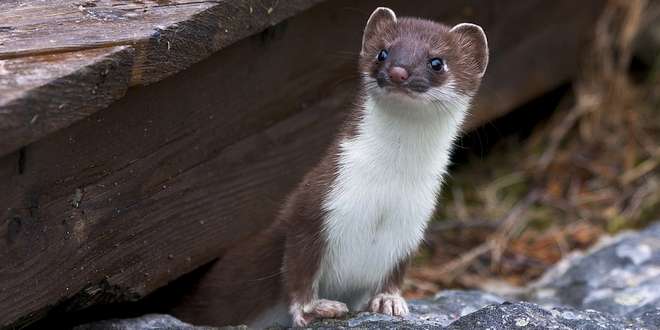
x=404, y=137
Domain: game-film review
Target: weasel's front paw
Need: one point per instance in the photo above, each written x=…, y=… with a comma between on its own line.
x=323, y=308
x=320, y=308
x=389, y=304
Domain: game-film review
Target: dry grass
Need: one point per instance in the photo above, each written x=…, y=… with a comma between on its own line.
x=593, y=168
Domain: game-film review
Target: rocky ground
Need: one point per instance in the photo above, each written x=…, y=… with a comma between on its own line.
x=615, y=285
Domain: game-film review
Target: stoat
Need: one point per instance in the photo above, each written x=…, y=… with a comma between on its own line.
x=343, y=237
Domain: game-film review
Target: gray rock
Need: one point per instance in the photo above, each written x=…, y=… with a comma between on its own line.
x=503, y=316
x=449, y=305
x=620, y=277
x=149, y=321
x=615, y=285
x=145, y=322
x=649, y=319
x=525, y=315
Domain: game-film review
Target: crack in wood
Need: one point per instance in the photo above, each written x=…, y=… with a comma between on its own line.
x=21, y=160
x=65, y=49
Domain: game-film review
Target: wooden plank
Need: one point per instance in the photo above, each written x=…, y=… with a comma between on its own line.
x=36, y=27
x=43, y=27
x=165, y=36
x=45, y=93
x=168, y=35
x=170, y=176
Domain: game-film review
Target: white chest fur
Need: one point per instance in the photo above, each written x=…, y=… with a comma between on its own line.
x=387, y=183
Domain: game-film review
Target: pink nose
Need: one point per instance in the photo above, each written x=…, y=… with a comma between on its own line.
x=398, y=74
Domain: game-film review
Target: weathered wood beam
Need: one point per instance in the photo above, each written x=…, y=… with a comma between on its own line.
x=164, y=37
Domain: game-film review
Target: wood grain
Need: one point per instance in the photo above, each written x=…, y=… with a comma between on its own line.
x=45, y=93
x=164, y=37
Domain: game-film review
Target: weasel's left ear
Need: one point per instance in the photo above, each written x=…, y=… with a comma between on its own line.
x=473, y=42
x=379, y=19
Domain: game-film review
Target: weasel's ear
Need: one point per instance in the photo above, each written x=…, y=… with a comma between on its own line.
x=380, y=18
x=473, y=42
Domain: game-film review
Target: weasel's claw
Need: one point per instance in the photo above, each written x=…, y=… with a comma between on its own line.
x=389, y=304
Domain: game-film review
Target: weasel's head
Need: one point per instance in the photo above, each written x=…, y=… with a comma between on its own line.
x=416, y=60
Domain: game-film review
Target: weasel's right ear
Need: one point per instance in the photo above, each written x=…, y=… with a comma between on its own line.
x=379, y=19
x=473, y=42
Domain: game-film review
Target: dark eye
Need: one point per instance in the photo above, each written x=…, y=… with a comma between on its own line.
x=382, y=55
x=437, y=64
